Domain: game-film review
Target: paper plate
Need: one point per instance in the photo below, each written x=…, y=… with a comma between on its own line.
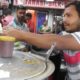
x=21, y=66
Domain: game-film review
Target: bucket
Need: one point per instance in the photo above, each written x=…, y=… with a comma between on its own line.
x=6, y=46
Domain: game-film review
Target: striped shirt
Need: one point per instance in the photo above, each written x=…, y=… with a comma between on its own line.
x=72, y=59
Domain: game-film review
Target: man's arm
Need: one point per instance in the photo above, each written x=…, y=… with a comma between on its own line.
x=46, y=40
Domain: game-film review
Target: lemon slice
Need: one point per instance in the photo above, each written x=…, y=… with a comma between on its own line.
x=7, y=38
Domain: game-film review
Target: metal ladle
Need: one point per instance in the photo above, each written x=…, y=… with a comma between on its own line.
x=49, y=52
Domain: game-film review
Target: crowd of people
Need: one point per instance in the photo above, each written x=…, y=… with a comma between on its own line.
x=18, y=19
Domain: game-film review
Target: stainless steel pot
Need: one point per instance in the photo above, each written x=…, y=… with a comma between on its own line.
x=6, y=46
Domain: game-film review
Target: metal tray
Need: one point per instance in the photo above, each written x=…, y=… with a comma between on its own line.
x=21, y=66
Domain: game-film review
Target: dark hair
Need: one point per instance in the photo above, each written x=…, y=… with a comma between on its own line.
x=7, y=12
x=76, y=4
x=21, y=7
x=29, y=15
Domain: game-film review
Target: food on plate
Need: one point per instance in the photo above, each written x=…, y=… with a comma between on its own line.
x=30, y=61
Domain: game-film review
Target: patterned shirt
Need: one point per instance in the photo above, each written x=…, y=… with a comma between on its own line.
x=72, y=59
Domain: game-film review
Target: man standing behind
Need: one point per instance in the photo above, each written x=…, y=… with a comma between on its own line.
x=7, y=18
x=19, y=18
x=18, y=23
x=29, y=22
